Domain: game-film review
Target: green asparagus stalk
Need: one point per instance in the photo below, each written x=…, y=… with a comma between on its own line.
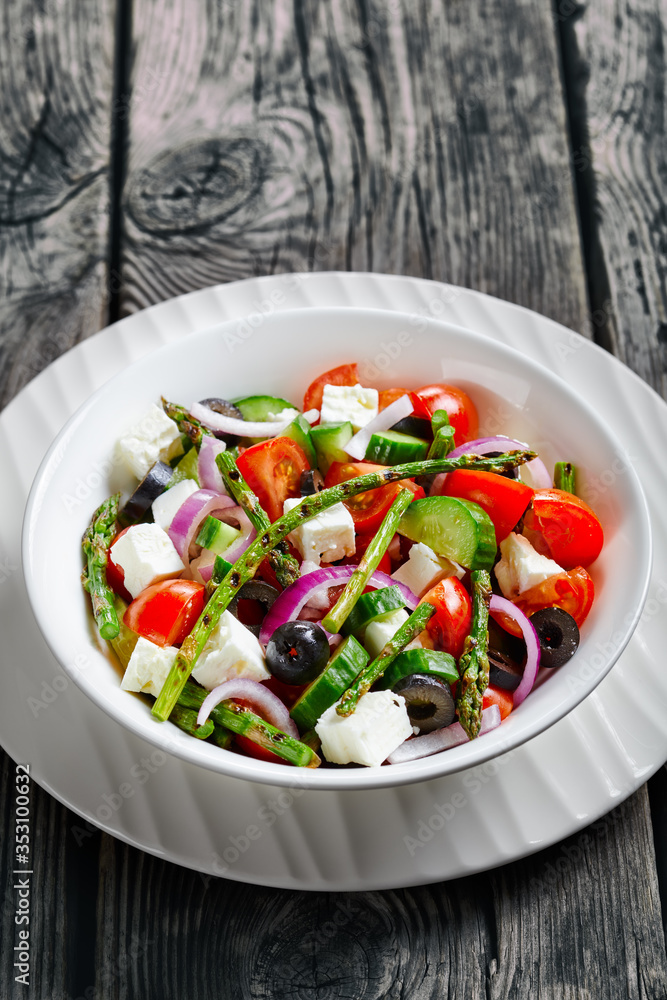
x=186, y=719
x=474, y=663
x=408, y=631
x=96, y=541
x=186, y=423
x=368, y=563
x=284, y=564
x=443, y=442
x=564, y=477
x=245, y=567
x=243, y=722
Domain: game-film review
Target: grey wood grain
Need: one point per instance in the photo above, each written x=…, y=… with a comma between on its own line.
x=615, y=61
x=424, y=139
x=56, y=81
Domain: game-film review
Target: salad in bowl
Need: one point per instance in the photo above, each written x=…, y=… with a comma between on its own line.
x=342, y=571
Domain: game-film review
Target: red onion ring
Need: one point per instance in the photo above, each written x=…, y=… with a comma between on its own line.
x=537, y=470
x=189, y=516
x=201, y=567
x=287, y=605
x=530, y=638
x=242, y=428
x=260, y=700
x=400, y=408
x=209, y=473
x=442, y=739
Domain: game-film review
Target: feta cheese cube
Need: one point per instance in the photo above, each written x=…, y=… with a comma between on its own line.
x=231, y=651
x=154, y=437
x=328, y=536
x=379, y=725
x=147, y=555
x=165, y=506
x=380, y=631
x=521, y=566
x=349, y=402
x=148, y=667
x=423, y=569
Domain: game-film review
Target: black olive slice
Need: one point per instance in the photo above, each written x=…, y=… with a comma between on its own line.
x=227, y=409
x=417, y=426
x=503, y=671
x=312, y=481
x=558, y=634
x=254, y=590
x=428, y=701
x=151, y=486
x=297, y=652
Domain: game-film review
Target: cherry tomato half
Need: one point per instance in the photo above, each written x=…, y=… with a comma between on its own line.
x=504, y=500
x=460, y=408
x=450, y=624
x=497, y=696
x=388, y=396
x=368, y=509
x=569, y=526
x=573, y=591
x=343, y=375
x=273, y=471
x=165, y=612
x=116, y=574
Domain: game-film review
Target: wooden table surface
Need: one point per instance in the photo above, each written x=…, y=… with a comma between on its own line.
x=510, y=146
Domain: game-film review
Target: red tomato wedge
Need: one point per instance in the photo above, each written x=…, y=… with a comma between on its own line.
x=496, y=696
x=504, y=500
x=569, y=526
x=450, y=624
x=573, y=591
x=388, y=396
x=343, y=375
x=165, y=613
x=273, y=471
x=368, y=509
x=460, y=408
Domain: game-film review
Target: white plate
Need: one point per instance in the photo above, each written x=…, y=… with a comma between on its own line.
x=501, y=810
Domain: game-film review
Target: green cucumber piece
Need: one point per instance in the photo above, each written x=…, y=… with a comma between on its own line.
x=374, y=606
x=186, y=468
x=262, y=407
x=216, y=536
x=220, y=570
x=395, y=448
x=349, y=659
x=329, y=441
x=420, y=661
x=299, y=431
x=457, y=529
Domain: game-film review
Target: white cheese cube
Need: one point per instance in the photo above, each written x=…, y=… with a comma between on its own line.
x=521, y=566
x=423, y=569
x=148, y=667
x=378, y=725
x=146, y=554
x=165, y=506
x=349, y=402
x=231, y=651
x=329, y=536
x=380, y=631
x=154, y=437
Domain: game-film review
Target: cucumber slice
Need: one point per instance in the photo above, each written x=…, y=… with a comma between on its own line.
x=329, y=441
x=325, y=690
x=299, y=431
x=395, y=448
x=374, y=606
x=186, y=468
x=262, y=407
x=457, y=529
x=216, y=536
x=220, y=570
x=420, y=661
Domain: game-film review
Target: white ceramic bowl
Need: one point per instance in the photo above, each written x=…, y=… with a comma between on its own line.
x=281, y=353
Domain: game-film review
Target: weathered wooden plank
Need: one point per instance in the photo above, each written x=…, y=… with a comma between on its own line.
x=424, y=139
x=56, y=82
x=615, y=58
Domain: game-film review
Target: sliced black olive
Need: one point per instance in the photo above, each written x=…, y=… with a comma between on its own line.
x=503, y=671
x=417, y=426
x=297, y=652
x=428, y=701
x=227, y=409
x=558, y=634
x=312, y=481
x=263, y=594
x=154, y=482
